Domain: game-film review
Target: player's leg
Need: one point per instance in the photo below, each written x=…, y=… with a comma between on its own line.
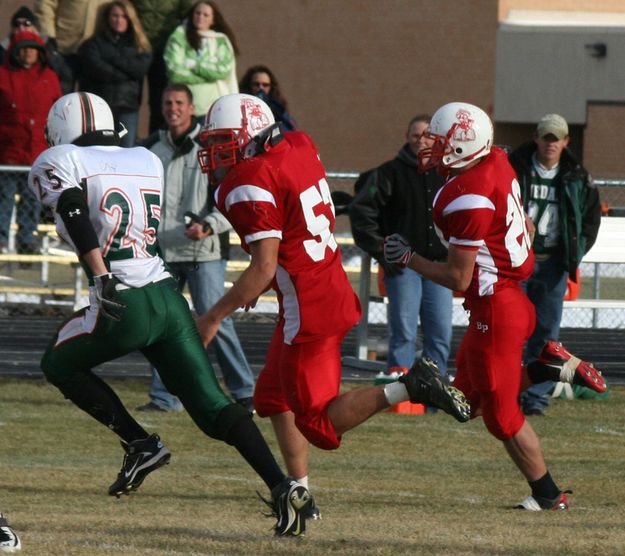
x=293, y=444
x=556, y=363
x=185, y=369
x=494, y=356
x=85, y=341
x=269, y=402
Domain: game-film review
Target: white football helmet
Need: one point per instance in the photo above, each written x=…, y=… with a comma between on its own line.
x=232, y=123
x=461, y=133
x=77, y=114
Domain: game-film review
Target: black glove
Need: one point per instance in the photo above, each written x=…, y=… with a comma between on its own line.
x=389, y=269
x=105, y=296
x=397, y=250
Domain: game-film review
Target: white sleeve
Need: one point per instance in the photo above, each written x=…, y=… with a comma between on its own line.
x=52, y=173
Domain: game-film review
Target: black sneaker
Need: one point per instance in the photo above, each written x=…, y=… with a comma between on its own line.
x=141, y=458
x=290, y=504
x=9, y=541
x=427, y=386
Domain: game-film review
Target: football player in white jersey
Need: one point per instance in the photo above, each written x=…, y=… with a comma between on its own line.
x=106, y=202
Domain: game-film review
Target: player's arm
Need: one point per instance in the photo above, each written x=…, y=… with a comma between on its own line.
x=254, y=280
x=455, y=273
x=73, y=209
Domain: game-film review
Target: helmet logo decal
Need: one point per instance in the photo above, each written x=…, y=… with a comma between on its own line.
x=257, y=120
x=463, y=130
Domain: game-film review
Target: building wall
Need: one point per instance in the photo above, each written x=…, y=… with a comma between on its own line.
x=355, y=71
x=603, y=140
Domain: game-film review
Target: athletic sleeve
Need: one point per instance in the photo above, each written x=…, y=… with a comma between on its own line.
x=51, y=174
x=469, y=218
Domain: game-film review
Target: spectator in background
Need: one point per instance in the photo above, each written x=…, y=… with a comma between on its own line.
x=68, y=23
x=560, y=197
x=260, y=81
x=192, y=249
x=159, y=19
x=201, y=54
x=24, y=20
x=397, y=198
x=114, y=63
x=28, y=88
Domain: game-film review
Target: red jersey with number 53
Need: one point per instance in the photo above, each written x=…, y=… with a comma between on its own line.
x=481, y=210
x=283, y=193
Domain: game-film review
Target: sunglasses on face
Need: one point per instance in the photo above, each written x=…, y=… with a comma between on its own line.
x=23, y=23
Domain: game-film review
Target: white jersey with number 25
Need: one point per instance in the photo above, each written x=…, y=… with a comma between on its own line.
x=123, y=189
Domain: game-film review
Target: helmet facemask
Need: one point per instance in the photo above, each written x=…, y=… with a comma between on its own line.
x=222, y=150
x=432, y=157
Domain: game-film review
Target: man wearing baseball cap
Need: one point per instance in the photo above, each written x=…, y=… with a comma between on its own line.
x=560, y=197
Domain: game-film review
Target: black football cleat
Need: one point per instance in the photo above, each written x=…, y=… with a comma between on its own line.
x=427, y=386
x=141, y=458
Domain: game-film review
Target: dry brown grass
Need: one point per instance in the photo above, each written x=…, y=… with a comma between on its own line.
x=399, y=485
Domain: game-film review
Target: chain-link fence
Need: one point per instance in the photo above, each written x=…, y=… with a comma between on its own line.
x=35, y=267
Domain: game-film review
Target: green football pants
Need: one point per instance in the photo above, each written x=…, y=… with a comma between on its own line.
x=156, y=321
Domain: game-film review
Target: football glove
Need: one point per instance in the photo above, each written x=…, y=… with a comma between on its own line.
x=390, y=270
x=105, y=296
x=397, y=250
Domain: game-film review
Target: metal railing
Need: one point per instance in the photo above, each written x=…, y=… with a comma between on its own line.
x=39, y=279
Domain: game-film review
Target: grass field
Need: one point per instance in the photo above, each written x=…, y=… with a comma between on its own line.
x=400, y=484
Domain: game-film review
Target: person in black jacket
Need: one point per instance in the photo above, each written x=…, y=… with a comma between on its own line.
x=114, y=62
x=563, y=203
x=397, y=198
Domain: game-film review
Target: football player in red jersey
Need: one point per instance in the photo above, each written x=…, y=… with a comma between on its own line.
x=272, y=188
x=479, y=214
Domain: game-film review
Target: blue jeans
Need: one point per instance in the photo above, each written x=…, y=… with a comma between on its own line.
x=410, y=297
x=28, y=209
x=130, y=120
x=206, y=285
x=545, y=288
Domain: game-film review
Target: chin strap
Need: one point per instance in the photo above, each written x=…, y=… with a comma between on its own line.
x=264, y=141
